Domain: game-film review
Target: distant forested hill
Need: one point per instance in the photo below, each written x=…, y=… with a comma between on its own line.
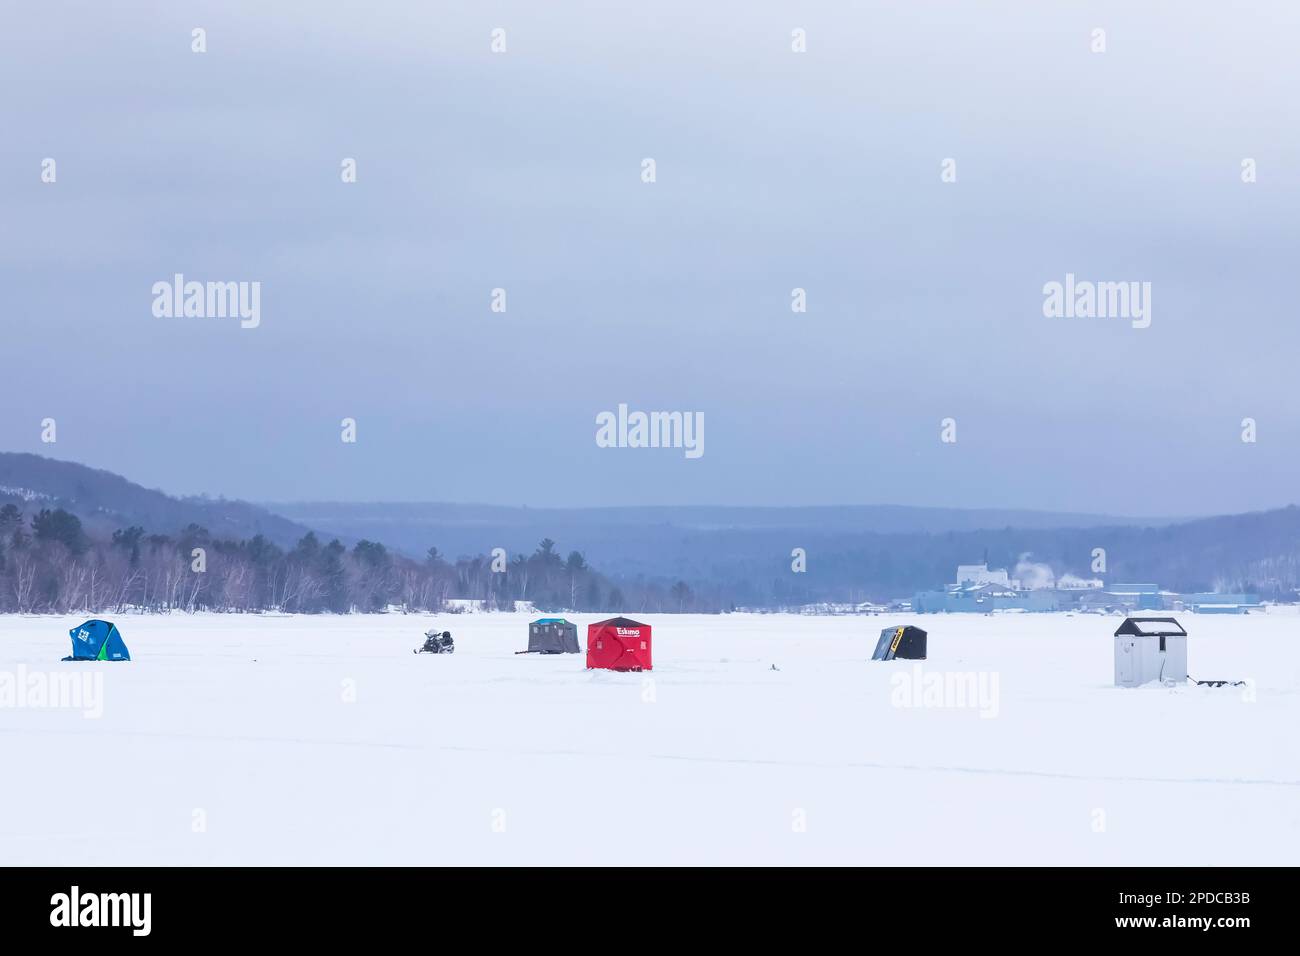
x=74, y=538
x=1257, y=552
x=743, y=555
x=106, y=502
x=698, y=558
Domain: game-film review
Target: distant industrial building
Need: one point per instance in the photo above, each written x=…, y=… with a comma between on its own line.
x=984, y=599
x=980, y=589
x=980, y=574
x=1150, y=597
x=1131, y=597
x=1211, y=603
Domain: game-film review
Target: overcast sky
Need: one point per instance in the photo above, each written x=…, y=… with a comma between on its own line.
x=774, y=170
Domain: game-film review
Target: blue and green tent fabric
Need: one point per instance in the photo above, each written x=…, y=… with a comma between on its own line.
x=97, y=641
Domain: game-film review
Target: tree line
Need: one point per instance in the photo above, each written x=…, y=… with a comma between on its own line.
x=50, y=564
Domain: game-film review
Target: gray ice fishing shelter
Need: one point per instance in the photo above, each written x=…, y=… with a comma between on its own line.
x=552, y=635
x=1150, y=648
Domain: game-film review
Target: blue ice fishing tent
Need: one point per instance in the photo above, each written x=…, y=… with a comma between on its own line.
x=98, y=641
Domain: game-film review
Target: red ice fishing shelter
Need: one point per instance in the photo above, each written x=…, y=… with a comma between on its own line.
x=619, y=644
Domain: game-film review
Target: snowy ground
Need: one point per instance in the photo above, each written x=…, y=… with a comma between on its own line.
x=323, y=740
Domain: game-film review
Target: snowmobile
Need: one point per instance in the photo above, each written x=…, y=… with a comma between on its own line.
x=435, y=643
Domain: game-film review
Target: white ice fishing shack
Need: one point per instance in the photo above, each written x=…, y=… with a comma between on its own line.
x=1150, y=648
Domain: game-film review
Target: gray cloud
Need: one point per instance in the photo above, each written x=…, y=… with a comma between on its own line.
x=775, y=171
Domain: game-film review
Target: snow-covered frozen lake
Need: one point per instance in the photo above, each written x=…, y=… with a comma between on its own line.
x=235, y=739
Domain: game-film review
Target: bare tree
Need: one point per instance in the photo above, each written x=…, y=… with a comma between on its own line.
x=24, y=581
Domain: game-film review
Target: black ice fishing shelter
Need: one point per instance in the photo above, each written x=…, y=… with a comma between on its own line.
x=552, y=635
x=904, y=642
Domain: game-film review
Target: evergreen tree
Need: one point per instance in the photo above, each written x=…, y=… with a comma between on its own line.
x=61, y=526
